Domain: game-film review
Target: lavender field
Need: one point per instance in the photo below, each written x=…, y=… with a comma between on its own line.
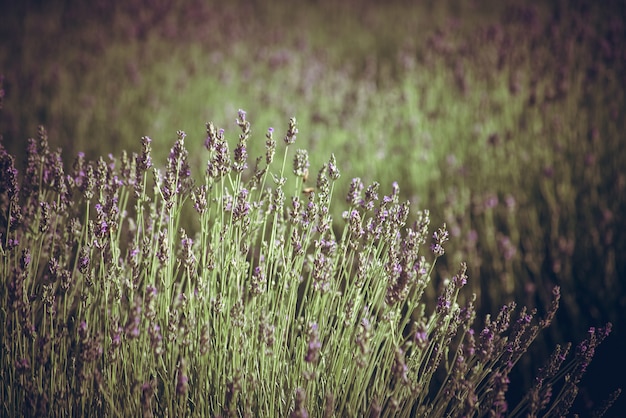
x=312, y=208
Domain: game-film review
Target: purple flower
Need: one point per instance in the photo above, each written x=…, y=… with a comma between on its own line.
x=25, y=259
x=187, y=256
x=8, y=175
x=485, y=343
x=363, y=338
x=134, y=319
x=313, y=345
x=241, y=114
x=205, y=339
x=35, y=156
x=240, y=157
x=116, y=334
x=322, y=272
x=233, y=387
x=333, y=170
x=327, y=246
x=15, y=286
x=219, y=164
x=323, y=185
x=241, y=153
x=163, y=252
x=270, y=146
x=211, y=140
x=83, y=260
x=354, y=194
x=548, y=171
x=554, y=305
x=421, y=336
x=301, y=163
x=22, y=365
x=292, y=131
x=296, y=242
x=259, y=281
x=510, y=202
x=421, y=226
x=586, y=350
x=128, y=171
x=148, y=300
x=443, y=304
x=491, y=201
x=472, y=236
x=156, y=339
x=460, y=279
x=13, y=243
x=83, y=330
x=439, y=238
x=199, y=198
x=371, y=195
x=147, y=393
x=44, y=223
x=469, y=348
x=242, y=208
x=182, y=381
x=507, y=248
x=399, y=369
x=311, y=211
x=266, y=333
x=356, y=230
x=278, y=200
x=500, y=384
x=294, y=212
x=493, y=139
x=88, y=186
x=144, y=160
x=53, y=173
x=299, y=410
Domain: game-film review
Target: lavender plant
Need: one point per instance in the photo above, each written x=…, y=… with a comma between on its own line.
x=113, y=308
x=510, y=76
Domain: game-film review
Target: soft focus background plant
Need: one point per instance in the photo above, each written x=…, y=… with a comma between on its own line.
x=112, y=309
x=503, y=118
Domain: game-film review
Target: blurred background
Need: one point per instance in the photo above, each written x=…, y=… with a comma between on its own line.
x=505, y=119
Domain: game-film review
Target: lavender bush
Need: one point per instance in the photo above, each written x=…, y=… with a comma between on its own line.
x=452, y=97
x=112, y=308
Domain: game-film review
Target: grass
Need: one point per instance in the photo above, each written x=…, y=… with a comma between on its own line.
x=505, y=122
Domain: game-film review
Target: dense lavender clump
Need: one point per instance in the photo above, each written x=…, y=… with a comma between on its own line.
x=266, y=311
